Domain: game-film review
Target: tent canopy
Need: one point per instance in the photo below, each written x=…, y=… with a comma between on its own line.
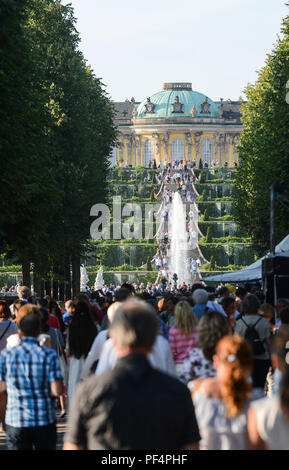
x=252, y=272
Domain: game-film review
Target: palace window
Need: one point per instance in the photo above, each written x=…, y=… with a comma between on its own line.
x=148, y=152
x=178, y=149
x=207, y=151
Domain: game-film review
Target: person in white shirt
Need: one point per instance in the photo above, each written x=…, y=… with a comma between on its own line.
x=160, y=357
x=97, y=346
x=216, y=307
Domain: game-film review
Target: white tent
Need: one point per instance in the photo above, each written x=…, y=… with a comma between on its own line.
x=252, y=272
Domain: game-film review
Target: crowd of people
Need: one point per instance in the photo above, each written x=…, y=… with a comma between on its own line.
x=178, y=177
x=175, y=164
x=12, y=290
x=142, y=368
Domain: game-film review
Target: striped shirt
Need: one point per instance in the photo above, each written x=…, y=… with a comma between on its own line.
x=28, y=370
x=181, y=344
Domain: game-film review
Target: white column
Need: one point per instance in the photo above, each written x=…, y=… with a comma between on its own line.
x=189, y=144
x=197, y=143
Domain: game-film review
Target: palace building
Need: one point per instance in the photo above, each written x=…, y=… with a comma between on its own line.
x=177, y=123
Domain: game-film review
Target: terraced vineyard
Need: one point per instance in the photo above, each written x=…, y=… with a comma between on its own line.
x=224, y=245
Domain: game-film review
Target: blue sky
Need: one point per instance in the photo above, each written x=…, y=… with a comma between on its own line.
x=218, y=45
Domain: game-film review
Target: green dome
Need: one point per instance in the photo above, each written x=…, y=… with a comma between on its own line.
x=163, y=103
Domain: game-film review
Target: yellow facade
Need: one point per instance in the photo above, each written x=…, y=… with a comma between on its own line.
x=133, y=156
x=178, y=112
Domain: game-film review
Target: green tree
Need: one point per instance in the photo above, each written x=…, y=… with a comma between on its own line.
x=206, y=215
x=203, y=176
x=264, y=147
x=149, y=264
x=24, y=119
x=56, y=134
x=209, y=235
x=205, y=194
x=212, y=263
x=80, y=138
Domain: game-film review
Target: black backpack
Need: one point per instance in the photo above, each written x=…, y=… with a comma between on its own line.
x=253, y=338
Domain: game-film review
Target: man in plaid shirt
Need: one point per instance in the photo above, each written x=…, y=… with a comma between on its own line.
x=30, y=374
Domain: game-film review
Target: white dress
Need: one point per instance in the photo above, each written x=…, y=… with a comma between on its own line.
x=94, y=353
x=272, y=426
x=219, y=432
x=74, y=374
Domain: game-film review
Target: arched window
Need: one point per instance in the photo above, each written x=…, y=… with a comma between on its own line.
x=148, y=152
x=112, y=157
x=207, y=151
x=178, y=149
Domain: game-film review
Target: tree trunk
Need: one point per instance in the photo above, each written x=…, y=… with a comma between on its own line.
x=61, y=290
x=55, y=289
x=58, y=282
x=26, y=273
x=36, y=283
x=75, y=275
x=42, y=288
x=47, y=287
x=67, y=280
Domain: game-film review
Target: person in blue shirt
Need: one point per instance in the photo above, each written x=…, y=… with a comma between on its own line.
x=29, y=374
x=66, y=317
x=200, y=298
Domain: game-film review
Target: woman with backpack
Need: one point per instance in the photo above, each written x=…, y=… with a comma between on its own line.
x=256, y=331
x=268, y=419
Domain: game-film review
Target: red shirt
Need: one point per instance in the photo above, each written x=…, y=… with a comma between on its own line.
x=181, y=344
x=96, y=313
x=53, y=322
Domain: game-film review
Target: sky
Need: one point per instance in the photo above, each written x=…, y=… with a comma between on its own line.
x=217, y=45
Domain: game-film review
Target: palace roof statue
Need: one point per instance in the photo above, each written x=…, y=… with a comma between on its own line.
x=179, y=98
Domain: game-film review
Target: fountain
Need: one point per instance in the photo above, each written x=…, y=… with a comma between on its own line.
x=179, y=247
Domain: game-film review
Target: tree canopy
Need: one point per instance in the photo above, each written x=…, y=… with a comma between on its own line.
x=264, y=147
x=56, y=134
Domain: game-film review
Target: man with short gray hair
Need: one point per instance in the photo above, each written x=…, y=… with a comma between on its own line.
x=200, y=298
x=133, y=406
x=24, y=293
x=160, y=355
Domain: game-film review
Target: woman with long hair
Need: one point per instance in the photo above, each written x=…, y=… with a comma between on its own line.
x=268, y=418
x=183, y=335
x=55, y=311
x=80, y=336
x=222, y=402
x=199, y=365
